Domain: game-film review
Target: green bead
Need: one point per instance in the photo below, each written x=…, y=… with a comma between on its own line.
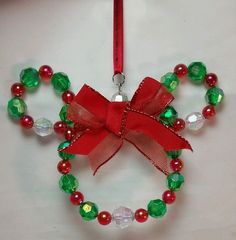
x=60, y=82
x=68, y=183
x=168, y=116
x=29, y=77
x=16, y=108
x=174, y=154
x=63, y=114
x=197, y=72
x=156, y=208
x=170, y=81
x=63, y=155
x=214, y=96
x=175, y=181
x=88, y=211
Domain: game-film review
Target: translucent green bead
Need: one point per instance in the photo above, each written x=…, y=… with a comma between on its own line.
x=63, y=114
x=175, y=181
x=170, y=81
x=157, y=208
x=168, y=116
x=63, y=155
x=197, y=71
x=60, y=82
x=174, y=154
x=88, y=211
x=214, y=96
x=29, y=77
x=68, y=183
x=16, y=108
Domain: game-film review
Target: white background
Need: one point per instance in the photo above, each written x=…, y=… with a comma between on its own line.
x=76, y=37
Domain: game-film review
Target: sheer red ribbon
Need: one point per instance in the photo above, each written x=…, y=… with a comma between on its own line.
x=110, y=123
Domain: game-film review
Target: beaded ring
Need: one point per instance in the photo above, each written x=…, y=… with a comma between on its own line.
x=30, y=80
x=197, y=73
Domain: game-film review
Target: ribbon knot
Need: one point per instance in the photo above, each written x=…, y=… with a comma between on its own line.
x=110, y=123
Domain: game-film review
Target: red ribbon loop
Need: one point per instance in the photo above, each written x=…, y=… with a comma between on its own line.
x=110, y=123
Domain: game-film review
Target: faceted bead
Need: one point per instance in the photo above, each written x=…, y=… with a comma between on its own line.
x=119, y=97
x=88, y=211
x=68, y=183
x=29, y=78
x=178, y=125
x=214, y=96
x=174, y=154
x=211, y=79
x=168, y=197
x=45, y=73
x=197, y=72
x=181, y=70
x=16, y=108
x=64, y=167
x=170, y=81
x=104, y=218
x=208, y=112
x=76, y=198
x=17, y=89
x=118, y=79
x=60, y=82
x=123, y=217
x=168, y=116
x=194, y=121
x=43, y=127
x=59, y=127
x=176, y=164
x=63, y=114
x=70, y=134
x=27, y=122
x=141, y=215
x=68, y=97
x=175, y=181
x=62, y=155
x=157, y=208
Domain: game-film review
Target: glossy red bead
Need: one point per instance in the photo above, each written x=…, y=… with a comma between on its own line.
x=76, y=198
x=68, y=97
x=17, y=89
x=176, y=164
x=64, y=167
x=59, y=127
x=141, y=215
x=211, y=79
x=181, y=70
x=45, y=73
x=168, y=197
x=70, y=134
x=178, y=125
x=27, y=122
x=208, y=111
x=104, y=218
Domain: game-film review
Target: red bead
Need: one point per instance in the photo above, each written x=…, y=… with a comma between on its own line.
x=68, y=97
x=181, y=70
x=76, y=198
x=27, y=122
x=178, y=125
x=104, y=218
x=141, y=215
x=64, y=167
x=45, y=73
x=17, y=89
x=59, y=127
x=176, y=164
x=208, y=112
x=211, y=79
x=168, y=197
x=70, y=134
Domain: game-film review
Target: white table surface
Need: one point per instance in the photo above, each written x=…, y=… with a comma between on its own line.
x=76, y=37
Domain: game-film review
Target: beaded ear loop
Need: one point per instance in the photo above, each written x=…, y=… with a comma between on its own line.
x=96, y=127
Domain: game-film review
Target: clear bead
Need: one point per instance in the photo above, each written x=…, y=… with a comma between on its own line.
x=119, y=97
x=119, y=79
x=195, y=121
x=43, y=127
x=122, y=217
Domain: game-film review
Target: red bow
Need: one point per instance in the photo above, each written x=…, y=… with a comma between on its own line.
x=110, y=123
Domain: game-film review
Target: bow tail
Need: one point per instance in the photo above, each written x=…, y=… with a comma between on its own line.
x=150, y=149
